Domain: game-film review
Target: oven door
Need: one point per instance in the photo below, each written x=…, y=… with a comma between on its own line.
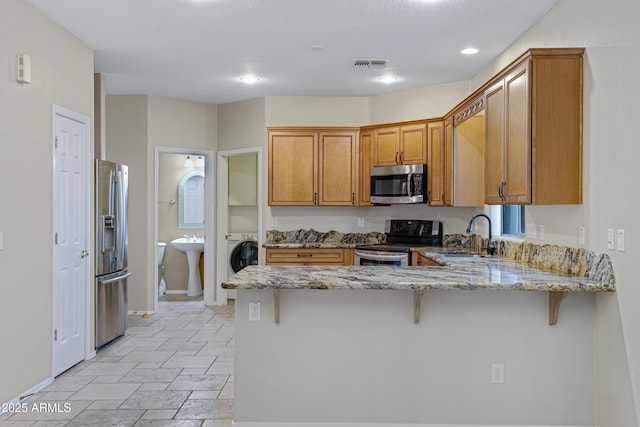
x=365, y=257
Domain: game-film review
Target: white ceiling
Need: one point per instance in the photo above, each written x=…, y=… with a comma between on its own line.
x=197, y=49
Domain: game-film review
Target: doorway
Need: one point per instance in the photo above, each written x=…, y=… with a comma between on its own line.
x=239, y=205
x=183, y=207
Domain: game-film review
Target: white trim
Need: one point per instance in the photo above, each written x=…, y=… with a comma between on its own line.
x=294, y=424
x=222, y=202
x=209, y=229
x=176, y=292
x=57, y=110
x=26, y=394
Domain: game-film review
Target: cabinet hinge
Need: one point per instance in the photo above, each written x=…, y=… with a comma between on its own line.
x=55, y=239
x=55, y=335
x=56, y=142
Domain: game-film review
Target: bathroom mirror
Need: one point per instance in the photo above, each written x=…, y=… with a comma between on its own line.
x=191, y=200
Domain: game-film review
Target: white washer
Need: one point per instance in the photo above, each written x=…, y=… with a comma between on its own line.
x=242, y=250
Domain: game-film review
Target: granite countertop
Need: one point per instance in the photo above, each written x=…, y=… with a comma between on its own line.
x=458, y=272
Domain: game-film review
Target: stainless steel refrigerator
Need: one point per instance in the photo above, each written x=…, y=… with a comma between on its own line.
x=112, y=190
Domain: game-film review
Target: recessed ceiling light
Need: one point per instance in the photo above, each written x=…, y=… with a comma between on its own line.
x=387, y=79
x=249, y=79
x=469, y=51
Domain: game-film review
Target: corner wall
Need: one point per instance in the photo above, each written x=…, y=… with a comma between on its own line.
x=62, y=74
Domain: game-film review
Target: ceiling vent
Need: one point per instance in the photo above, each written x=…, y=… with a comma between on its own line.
x=363, y=64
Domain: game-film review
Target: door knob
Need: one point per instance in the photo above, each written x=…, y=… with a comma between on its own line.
x=84, y=254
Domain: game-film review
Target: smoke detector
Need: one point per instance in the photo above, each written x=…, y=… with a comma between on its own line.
x=364, y=64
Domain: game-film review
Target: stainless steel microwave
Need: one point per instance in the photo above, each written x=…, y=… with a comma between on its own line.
x=398, y=184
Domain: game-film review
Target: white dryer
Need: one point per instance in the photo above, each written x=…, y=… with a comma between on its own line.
x=242, y=250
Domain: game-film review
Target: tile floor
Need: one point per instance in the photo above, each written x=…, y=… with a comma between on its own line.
x=174, y=368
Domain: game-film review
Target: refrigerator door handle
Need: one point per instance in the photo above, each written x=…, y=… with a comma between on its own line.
x=121, y=220
x=114, y=279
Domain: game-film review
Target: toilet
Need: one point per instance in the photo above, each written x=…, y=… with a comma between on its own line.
x=162, y=286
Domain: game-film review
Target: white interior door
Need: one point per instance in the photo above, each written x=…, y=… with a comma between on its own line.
x=70, y=244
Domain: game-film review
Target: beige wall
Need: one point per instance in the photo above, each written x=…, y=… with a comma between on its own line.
x=427, y=102
x=62, y=74
x=171, y=170
x=134, y=136
x=241, y=124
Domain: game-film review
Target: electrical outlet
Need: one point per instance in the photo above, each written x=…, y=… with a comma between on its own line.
x=360, y=221
x=497, y=373
x=274, y=221
x=610, y=239
x=541, y=232
x=254, y=311
x=581, y=235
x=621, y=242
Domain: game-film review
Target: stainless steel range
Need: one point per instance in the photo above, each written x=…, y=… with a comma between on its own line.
x=402, y=235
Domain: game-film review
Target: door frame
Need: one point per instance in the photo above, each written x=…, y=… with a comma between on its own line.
x=89, y=351
x=209, y=229
x=222, y=205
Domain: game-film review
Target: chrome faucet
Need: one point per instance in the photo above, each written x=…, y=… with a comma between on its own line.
x=491, y=248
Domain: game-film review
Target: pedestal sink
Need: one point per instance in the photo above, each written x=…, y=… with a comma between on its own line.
x=193, y=247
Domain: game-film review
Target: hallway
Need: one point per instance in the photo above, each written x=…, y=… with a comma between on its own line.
x=173, y=368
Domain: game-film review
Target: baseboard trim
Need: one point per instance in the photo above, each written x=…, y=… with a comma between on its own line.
x=289, y=424
x=26, y=394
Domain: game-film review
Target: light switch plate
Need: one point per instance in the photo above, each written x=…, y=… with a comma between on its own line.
x=541, y=232
x=621, y=242
x=610, y=239
x=581, y=235
x=360, y=221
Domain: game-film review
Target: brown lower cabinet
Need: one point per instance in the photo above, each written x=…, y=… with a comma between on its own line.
x=297, y=257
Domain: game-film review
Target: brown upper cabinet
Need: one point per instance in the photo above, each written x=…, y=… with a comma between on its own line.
x=400, y=145
x=533, y=128
x=365, y=163
x=436, y=194
x=313, y=166
x=464, y=154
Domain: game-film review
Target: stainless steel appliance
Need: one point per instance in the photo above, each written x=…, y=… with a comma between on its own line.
x=112, y=189
x=402, y=235
x=399, y=184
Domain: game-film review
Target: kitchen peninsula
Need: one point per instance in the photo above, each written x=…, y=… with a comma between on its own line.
x=347, y=348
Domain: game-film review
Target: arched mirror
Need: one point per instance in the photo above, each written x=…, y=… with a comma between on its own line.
x=191, y=200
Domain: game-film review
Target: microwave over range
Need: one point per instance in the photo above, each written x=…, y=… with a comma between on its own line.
x=398, y=184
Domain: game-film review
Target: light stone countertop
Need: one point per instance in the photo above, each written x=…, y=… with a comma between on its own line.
x=457, y=273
